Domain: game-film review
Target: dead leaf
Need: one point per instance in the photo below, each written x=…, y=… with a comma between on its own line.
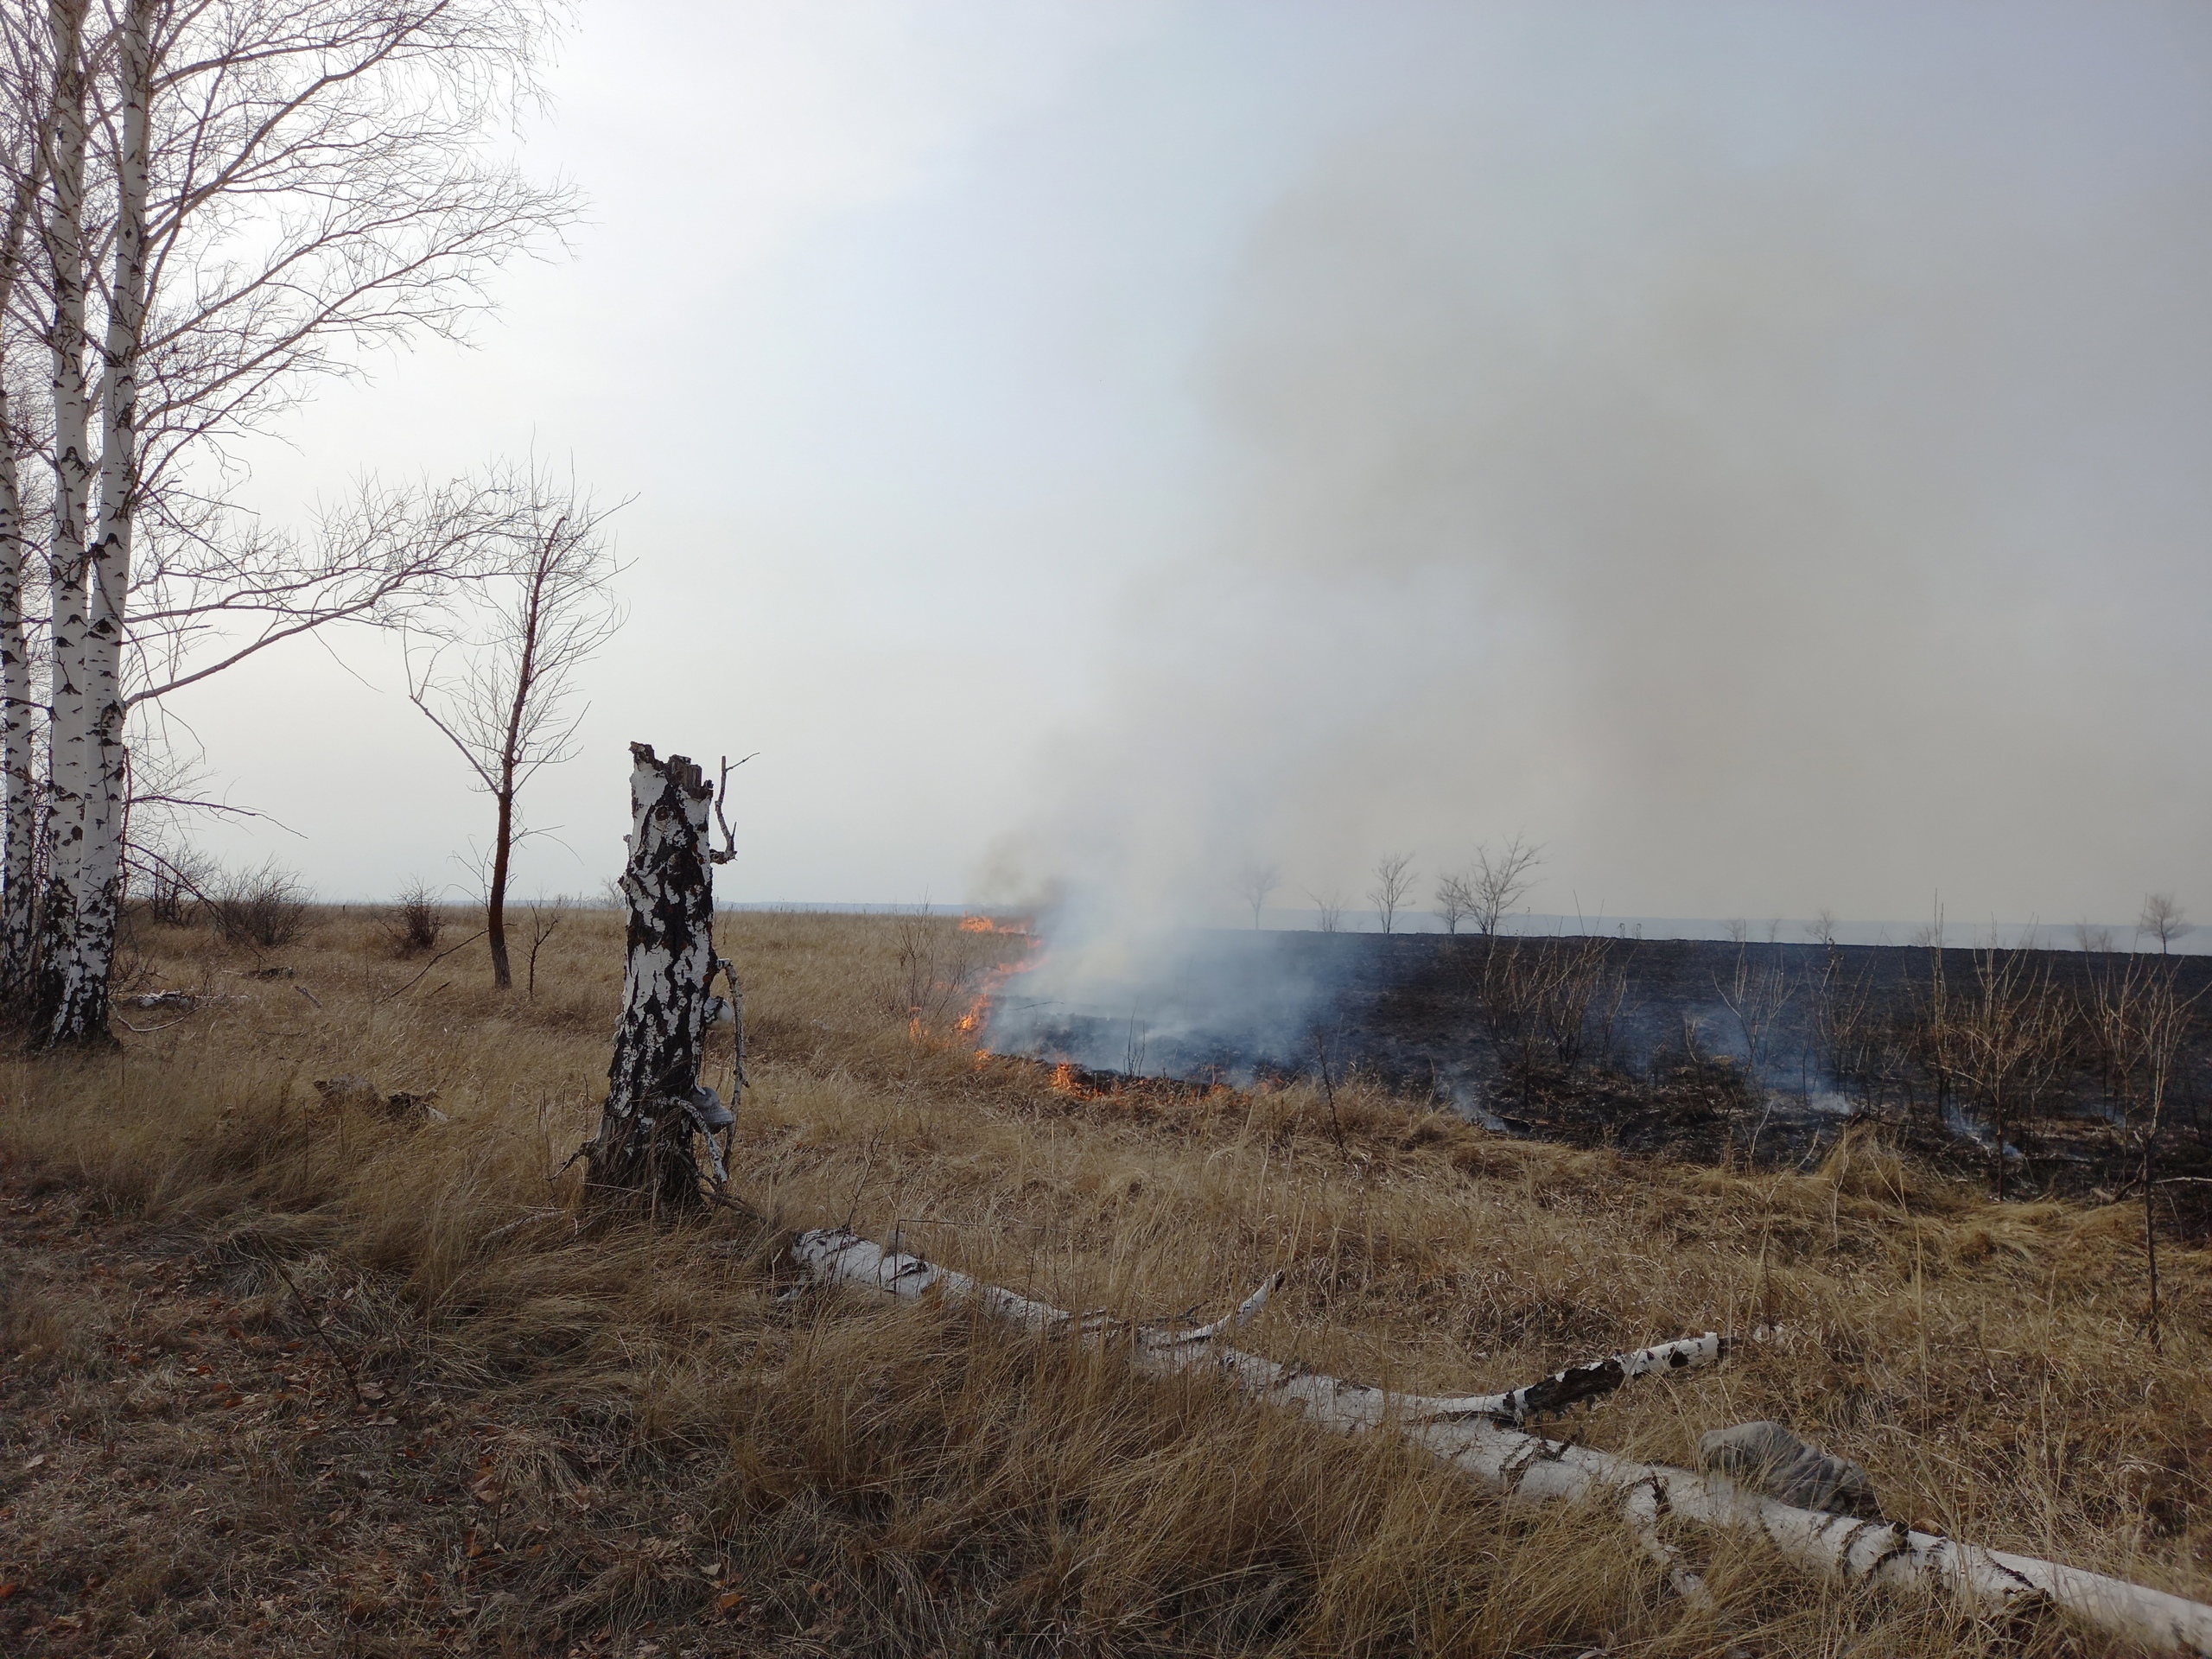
x=729, y=1601
x=371, y=1390
x=35, y=1461
x=8, y=1589
x=488, y=1490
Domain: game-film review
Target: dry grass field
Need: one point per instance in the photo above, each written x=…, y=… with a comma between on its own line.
x=576, y=1437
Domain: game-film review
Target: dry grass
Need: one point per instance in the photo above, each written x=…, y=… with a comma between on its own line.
x=684, y=1452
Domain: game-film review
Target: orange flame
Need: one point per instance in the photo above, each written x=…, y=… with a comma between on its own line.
x=978, y=1012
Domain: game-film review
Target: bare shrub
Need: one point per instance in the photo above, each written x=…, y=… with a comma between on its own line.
x=2003, y=1043
x=174, y=884
x=1549, y=1002
x=415, y=920
x=265, y=908
x=1331, y=907
x=940, y=970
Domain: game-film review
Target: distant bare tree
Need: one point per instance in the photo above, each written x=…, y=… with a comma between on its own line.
x=1455, y=901
x=1330, y=905
x=2163, y=920
x=1739, y=931
x=1497, y=882
x=1821, y=928
x=504, y=697
x=2091, y=939
x=1257, y=882
x=1393, y=885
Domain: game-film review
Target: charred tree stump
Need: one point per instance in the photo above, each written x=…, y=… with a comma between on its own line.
x=644, y=1151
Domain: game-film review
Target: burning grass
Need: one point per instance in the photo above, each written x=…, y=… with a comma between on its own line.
x=619, y=1441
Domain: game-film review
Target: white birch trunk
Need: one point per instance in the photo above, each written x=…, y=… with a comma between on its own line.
x=18, y=790
x=69, y=732
x=81, y=1014
x=18, y=794
x=1532, y=1470
x=656, y=1103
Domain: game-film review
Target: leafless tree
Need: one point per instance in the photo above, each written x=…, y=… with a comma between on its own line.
x=25, y=125
x=1393, y=885
x=1255, y=883
x=2090, y=939
x=236, y=196
x=1821, y=928
x=1755, y=993
x=2140, y=1026
x=2004, y=1043
x=1455, y=901
x=2163, y=921
x=1331, y=907
x=1497, y=882
x=546, y=916
x=504, y=693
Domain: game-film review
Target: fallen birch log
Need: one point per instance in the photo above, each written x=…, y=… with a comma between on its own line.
x=1529, y=1469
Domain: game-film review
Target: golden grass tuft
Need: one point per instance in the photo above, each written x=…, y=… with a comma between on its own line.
x=646, y=1406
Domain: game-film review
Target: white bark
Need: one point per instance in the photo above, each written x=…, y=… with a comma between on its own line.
x=80, y=1014
x=68, y=727
x=1531, y=1470
x=655, y=1102
x=18, y=795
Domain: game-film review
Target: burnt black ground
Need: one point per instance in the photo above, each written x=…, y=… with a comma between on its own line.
x=1664, y=1060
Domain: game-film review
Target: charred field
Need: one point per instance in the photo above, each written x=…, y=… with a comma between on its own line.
x=281, y=1371
x=1706, y=1051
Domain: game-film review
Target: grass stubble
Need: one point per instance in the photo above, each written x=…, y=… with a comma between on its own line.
x=572, y=1437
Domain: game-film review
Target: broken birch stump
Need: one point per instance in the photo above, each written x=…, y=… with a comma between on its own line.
x=656, y=1100
x=1529, y=1469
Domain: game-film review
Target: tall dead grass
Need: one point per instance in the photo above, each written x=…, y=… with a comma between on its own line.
x=949, y=1484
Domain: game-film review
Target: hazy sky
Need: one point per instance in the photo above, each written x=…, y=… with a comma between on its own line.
x=1763, y=452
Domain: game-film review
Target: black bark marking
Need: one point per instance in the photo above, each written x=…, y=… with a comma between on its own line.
x=656, y=1107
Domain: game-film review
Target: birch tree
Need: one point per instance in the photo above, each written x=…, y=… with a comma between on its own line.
x=505, y=696
x=247, y=192
x=24, y=119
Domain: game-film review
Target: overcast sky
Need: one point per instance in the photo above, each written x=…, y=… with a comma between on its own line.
x=1762, y=452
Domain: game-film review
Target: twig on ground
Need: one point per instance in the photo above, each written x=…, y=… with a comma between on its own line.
x=431, y=963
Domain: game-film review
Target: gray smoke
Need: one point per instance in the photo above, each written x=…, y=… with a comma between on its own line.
x=1764, y=460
